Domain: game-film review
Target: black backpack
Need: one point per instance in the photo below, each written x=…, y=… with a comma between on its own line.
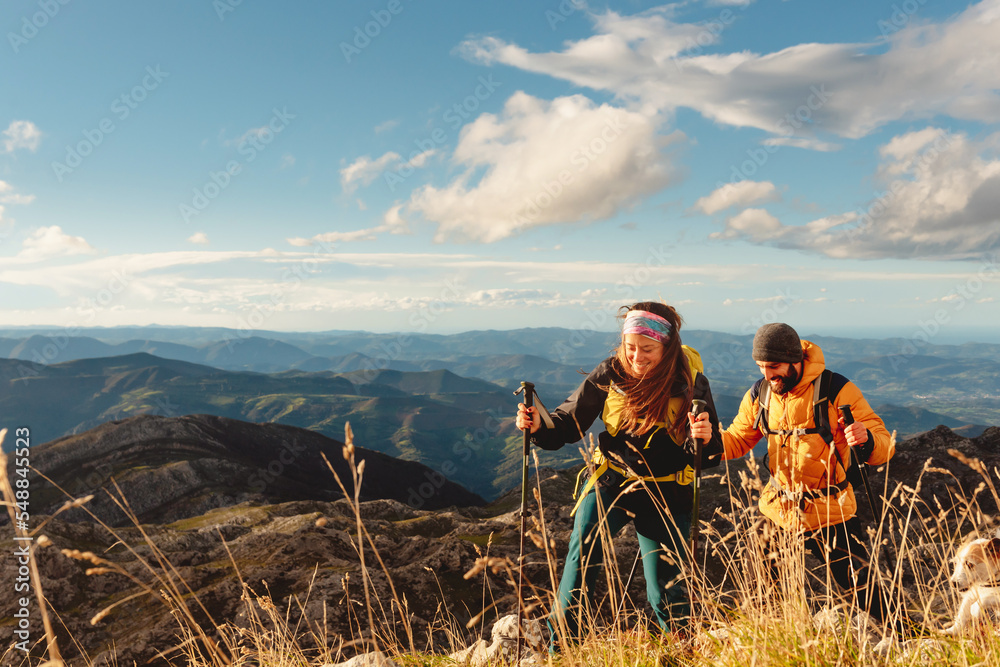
x=827, y=385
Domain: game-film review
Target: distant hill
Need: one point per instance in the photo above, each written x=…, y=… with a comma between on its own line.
x=444, y=400
x=461, y=427
x=253, y=353
x=424, y=382
x=171, y=468
x=48, y=350
x=918, y=420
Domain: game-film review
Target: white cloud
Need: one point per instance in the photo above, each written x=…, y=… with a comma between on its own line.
x=17, y=199
x=809, y=143
x=420, y=159
x=77, y=274
x=198, y=238
x=47, y=242
x=21, y=134
x=743, y=193
x=287, y=161
x=290, y=290
x=364, y=170
x=392, y=223
x=540, y=163
x=7, y=196
x=257, y=133
x=754, y=224
x=386, y=126
x=848, y=90
x=941, y=201
x=507, y=298
x=393, y=220
x=336, y=237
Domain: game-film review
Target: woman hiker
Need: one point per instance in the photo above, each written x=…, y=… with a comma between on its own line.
x=644, y=473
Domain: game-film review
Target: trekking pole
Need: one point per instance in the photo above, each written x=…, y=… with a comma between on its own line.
x=845, y=411
x=697, y=407
x=528, y=389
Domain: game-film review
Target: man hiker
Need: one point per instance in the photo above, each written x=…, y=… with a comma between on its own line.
x=810, y=450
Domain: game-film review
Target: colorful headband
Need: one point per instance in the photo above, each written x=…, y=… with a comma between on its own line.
x=647, y=324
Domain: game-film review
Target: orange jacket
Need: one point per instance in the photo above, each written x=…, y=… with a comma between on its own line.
x=806, y=462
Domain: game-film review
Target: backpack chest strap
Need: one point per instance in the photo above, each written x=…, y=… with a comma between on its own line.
x=821, y=422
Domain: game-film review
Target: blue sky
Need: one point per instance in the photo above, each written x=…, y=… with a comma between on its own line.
x=404, y=165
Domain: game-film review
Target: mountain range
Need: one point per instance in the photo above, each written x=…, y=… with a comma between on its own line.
x=453, y=424
x=442, y=400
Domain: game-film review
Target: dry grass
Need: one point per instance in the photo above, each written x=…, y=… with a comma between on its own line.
x=739, y=617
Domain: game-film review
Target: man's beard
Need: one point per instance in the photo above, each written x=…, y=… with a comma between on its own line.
x=783, y=384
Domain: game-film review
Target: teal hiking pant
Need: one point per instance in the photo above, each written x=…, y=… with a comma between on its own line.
x=597, y=519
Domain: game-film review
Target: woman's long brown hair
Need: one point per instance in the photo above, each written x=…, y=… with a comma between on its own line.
x=646, y=398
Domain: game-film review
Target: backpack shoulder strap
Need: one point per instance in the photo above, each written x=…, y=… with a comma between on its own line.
x=826, y=388
x=821, y=411
x=763, y=390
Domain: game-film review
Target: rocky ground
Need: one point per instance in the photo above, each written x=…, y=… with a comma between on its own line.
x=302, y=557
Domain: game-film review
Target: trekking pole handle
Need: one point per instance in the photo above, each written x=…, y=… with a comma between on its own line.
x=845, y=411
x=697, y=407
x=528, y=389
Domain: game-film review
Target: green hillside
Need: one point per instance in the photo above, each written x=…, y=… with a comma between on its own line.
x=443, y=400
x=457, y=426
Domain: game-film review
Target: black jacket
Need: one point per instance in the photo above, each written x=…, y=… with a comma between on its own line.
x=653, y=454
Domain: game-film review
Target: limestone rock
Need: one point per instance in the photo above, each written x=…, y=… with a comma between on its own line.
x=503, y=647
x=374, y=659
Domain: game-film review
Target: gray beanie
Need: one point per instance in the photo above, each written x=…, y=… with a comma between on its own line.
x=777, y=343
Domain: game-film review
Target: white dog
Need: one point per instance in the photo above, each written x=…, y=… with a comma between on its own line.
x=977, y=575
